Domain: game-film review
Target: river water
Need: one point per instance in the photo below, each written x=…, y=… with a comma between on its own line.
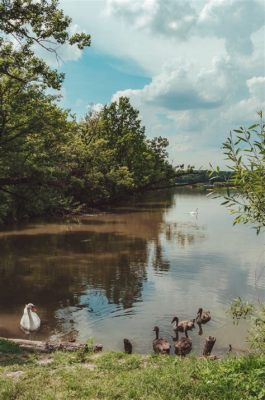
x=119, y=273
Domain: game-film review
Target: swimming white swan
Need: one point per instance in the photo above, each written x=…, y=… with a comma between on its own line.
x=194, y=212
x=30, y=320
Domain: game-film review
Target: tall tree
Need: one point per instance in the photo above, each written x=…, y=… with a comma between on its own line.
x=33, y=132
x=33, y=129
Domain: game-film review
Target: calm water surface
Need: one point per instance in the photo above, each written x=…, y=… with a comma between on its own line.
x=117, y=274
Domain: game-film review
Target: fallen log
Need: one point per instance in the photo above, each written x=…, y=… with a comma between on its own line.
x=47, y=347
x=209, y=343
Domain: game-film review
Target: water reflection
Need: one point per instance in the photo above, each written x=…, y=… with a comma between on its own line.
x=184, y=234
x=117, y=274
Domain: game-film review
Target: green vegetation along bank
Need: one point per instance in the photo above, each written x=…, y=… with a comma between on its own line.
x=120, y=376
x=50, y=163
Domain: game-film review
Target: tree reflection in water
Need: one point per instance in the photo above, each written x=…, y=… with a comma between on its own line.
x=101, y=258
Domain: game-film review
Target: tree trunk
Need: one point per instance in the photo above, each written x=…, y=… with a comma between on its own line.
x=209, y=343
x=47, y=347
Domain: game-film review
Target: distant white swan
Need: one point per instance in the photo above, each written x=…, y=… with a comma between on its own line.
x=30, y=320
x=194, y=212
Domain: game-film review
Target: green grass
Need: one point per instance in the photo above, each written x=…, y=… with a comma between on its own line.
x=119, y=376
x=8, y=347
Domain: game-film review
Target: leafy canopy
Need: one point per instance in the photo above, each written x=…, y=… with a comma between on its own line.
x=28, y=23
x=52, y=164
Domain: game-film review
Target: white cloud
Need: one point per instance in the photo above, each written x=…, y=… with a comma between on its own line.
x=205, y=61
x=245, y=109
x=95, y=108
x=256, y=87
x=199, y=106
x=137, y=12
x=184, y=87
x=231, y=20
x=160, y=16
x=119, y=36
x=181, y=87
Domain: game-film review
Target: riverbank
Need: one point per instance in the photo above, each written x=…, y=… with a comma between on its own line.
x=79, y=375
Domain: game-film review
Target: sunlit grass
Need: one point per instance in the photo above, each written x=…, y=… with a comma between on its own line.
x=120, y=376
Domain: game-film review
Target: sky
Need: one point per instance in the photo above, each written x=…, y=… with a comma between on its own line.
x=194, y=69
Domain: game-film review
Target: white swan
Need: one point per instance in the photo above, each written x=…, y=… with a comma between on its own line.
x=194, y=212
x=30, y=320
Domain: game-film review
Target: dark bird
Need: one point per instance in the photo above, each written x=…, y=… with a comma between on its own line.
x=183, y=345
x=203, y=316
x=183, y=326
x=127, y=346
x=160, y=345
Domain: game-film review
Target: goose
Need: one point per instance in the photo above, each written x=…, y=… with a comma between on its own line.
x=30, y=320
x=183, y=345
x=127, y=346
x=183, y=326
x=160, y=345
x=203, y=316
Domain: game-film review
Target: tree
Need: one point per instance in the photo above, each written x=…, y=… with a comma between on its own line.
x=33, y=165
x=34, y=131
x=160, y=169
x=112, y=157
x=50, y=163
x=31, y=23
x=245, y=151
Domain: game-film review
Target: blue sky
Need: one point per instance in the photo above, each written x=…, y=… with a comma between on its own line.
x=94, y=79
x=193, y=68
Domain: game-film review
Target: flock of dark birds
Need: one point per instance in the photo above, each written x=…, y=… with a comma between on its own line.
x=183, y=345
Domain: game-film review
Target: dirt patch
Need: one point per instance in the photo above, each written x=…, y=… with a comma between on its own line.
x=45, y=361
x=14, y=374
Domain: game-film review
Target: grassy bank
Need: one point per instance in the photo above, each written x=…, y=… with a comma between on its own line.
x=120, y=376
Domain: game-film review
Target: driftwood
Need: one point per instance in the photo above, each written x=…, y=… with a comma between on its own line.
x=209, y=343
x=47, y=347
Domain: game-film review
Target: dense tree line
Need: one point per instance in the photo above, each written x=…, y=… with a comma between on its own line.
x=50, y=162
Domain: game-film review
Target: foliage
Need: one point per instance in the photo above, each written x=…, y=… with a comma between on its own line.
x=52, y=164
x=240, y=309
x=245, y=150
x=26, y=24
x=257, y=332
x=243, y=309
x=113, y=156
x=120, y=376
x=8, y=347
x=49, y=162
x=33, y=130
